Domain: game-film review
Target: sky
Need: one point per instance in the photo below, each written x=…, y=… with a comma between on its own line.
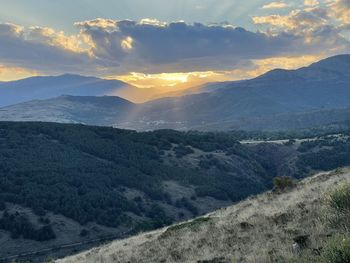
x=168, y=43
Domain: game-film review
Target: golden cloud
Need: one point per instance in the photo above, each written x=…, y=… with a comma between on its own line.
x=265, y=65
x=152, y=21
x=300, y=20
x=275, y=5
x=14, y=73
x=311, y=2
x=127, y=43
x=182, y=80
x=99, y=23
x=49, y=36
x=341, y=10
x=174, y=81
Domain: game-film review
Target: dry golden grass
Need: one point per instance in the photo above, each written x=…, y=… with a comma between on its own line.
x=259, y=229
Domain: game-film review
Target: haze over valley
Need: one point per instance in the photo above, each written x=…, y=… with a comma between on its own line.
x=175, y=131
x=308, y=97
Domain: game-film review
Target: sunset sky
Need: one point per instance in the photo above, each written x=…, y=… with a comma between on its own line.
x=168, y=43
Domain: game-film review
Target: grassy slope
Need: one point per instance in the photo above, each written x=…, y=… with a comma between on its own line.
x=259, y=229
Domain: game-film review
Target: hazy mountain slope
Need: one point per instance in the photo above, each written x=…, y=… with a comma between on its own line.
x=322, y=86
x=38, y=88
x=280, y=99
x=105, y=110
x=287, y=121
x=260, y=229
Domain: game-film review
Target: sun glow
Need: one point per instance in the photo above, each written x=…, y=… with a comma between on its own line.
x=172, y=81
x=15, y=73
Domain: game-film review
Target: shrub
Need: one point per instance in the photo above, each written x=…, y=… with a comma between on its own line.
x=339, y=207
x=182, y=150
x=84, y=233
x=282, y=183
x=2, y=205
x=290, y=142
x=337, y=250
x=339, y=199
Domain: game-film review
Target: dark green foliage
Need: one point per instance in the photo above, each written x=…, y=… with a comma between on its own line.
x=337, y=250
x=185, y=203
x=84, y=233
x=19, y=226
x=2, y=205
x=290, y=142
x=182, y=150
x=44, y=220
x=339, y=199
x=193, y=225
x=211, y=191
x=338, y=213
x=84, y=172
x=211, y=162
x=282, y=183
x=325, y=154
x=158, y=216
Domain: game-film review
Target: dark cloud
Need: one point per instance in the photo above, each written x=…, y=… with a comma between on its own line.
x=150, y=46
x=42, y=51
x=158, y=46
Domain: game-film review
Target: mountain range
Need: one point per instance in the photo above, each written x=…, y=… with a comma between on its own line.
x=280, y=99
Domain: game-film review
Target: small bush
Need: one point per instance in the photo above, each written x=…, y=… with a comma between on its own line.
x=339, y=199
x=282, y=183
x=338, y=213
x=182, y=150
x=193, y=225
x=337, y=250
x=290, y=142
x=2, y=206
x=84, y=233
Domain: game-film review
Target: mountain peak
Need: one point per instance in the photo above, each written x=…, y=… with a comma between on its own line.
x=335, y=63
x=332, y=66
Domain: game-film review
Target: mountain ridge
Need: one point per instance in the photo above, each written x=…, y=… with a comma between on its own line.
x=310, y=90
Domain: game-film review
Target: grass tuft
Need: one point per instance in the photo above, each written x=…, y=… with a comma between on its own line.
x=193, y=225
x=337, y=250
x=339, y=199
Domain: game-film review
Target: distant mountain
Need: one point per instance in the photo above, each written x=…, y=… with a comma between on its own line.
x=53, y=86
x=317, y=89
x=104, y=111
x=280, y=99
x=38, y=88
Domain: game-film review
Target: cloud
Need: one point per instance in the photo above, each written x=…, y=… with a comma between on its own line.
x=174, y=81
x=155, y=46
x=275, y=5
x=13, y=73
x=320, y=25
x=40, y=49
x=341, y=10
x=297, y=21
x=313, y=24
x=311, y=2
x=106, y=47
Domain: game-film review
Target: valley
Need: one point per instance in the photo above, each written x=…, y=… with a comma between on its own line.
x=175, y=131
x=84, y=185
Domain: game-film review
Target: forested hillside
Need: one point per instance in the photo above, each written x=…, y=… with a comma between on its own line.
x=130, y=181
x=84, y=172
x=307, y=223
